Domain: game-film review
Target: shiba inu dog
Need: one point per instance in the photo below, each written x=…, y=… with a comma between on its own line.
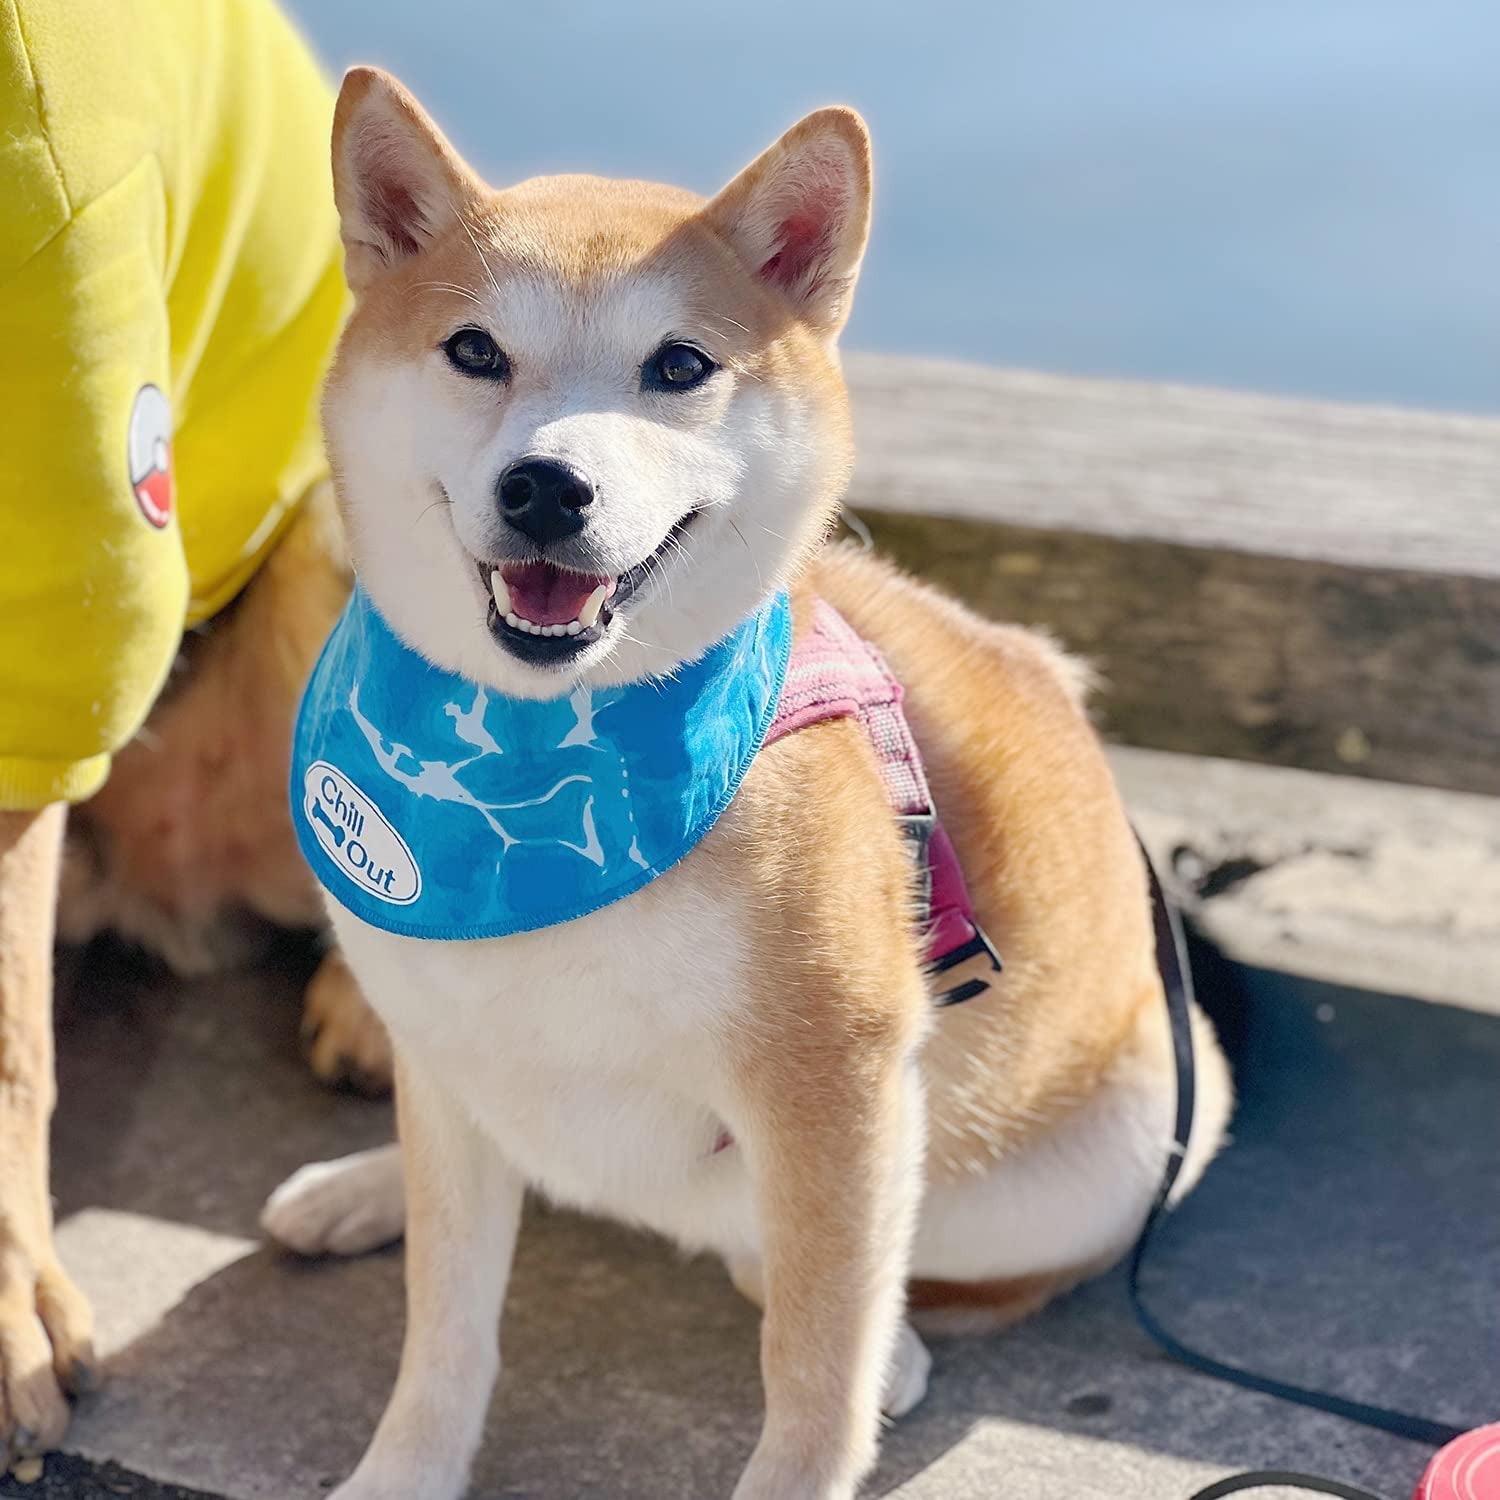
x=588, y=438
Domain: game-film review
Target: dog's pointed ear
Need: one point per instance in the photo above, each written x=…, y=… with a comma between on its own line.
x=799, y=214
x=397, y=182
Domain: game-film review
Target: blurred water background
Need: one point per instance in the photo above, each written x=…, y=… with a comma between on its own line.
x=1297, y=196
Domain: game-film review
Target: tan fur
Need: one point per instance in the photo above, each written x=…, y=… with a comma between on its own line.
x=838, y=1012
x=46, y=1328
x=970, y=1307
x=345, y=1042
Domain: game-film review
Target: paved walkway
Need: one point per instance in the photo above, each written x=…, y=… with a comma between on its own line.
x=236, y=1371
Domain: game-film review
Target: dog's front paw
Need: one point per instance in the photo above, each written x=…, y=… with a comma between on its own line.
x=770, y=1480
x=46, y=1350
x=345, y=1042
x=906, y=1377
x=342, y=1207
x=409, y=1474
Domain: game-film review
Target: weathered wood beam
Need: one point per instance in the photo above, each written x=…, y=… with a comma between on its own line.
x=1272, y=580
x=1393, y=888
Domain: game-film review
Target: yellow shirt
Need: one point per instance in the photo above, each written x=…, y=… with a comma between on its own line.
x=170, y=292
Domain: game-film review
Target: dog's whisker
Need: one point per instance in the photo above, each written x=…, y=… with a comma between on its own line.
x=659, y=678
x=656, y=567
x=760, y=582
x=445, y=286
x=468, y=230
x=431, y=505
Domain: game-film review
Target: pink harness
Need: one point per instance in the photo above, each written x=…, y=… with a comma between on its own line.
x=835, y=673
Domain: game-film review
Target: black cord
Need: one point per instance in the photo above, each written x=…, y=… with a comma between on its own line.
x=1177, y=980
x=1399, y=1423
x=1264, y=1479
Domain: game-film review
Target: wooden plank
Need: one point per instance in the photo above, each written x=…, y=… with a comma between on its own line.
x=1385, y=674
x=1391, y=888
x=1262, y=609
x=1361, y=486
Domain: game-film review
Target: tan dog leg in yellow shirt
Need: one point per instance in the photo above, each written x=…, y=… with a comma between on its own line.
x=136, y=860
x=46, y=1328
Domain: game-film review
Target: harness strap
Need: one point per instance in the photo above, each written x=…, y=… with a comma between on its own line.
x=835, y=673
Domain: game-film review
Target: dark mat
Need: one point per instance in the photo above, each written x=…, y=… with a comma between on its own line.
x=69, y=1478
x=1363, y=1181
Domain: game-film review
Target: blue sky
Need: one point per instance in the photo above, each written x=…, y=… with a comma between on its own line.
x=1287, y=195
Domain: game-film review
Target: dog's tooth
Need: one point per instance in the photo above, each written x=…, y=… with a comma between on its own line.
x=573, y=627
x=501, y=592
x=590, y=611
x=534, y=629
x=512, y=619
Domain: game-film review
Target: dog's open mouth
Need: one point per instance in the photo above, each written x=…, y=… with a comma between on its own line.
x=546, y=615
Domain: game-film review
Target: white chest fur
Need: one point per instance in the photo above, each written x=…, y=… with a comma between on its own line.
x=593, y=1053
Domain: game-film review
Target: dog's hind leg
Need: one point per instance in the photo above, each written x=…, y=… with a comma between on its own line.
x=346, y=1044
x=992, y=1249
x=343, y=1207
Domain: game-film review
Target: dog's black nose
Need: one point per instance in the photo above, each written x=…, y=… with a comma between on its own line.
x=542, y=499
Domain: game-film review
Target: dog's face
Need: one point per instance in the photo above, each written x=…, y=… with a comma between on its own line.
x=580, y=428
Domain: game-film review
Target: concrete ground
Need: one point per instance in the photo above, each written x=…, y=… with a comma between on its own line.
x=238, y=1372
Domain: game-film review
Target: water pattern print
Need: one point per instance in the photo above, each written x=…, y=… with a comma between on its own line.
x=434, y=806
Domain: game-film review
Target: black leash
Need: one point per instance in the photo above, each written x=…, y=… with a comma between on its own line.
x=1264, y=1479
x=1177, y=980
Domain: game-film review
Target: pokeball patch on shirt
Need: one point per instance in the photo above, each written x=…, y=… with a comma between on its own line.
x=151, y=455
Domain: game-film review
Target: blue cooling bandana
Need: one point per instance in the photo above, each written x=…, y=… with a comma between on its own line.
x=434, y=807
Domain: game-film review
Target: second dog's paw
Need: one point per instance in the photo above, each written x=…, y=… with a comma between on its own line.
x=46, y=1354
x=342, y=1207
x=345, y=1042
x=906, y=1379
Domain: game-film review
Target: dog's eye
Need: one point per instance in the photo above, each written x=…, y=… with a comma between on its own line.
x=474, y=352
x=676, y=367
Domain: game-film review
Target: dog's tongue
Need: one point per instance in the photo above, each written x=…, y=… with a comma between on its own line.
x=550, y=596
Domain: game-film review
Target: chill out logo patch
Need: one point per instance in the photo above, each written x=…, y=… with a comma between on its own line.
x=150, y=455
x=357, y=838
